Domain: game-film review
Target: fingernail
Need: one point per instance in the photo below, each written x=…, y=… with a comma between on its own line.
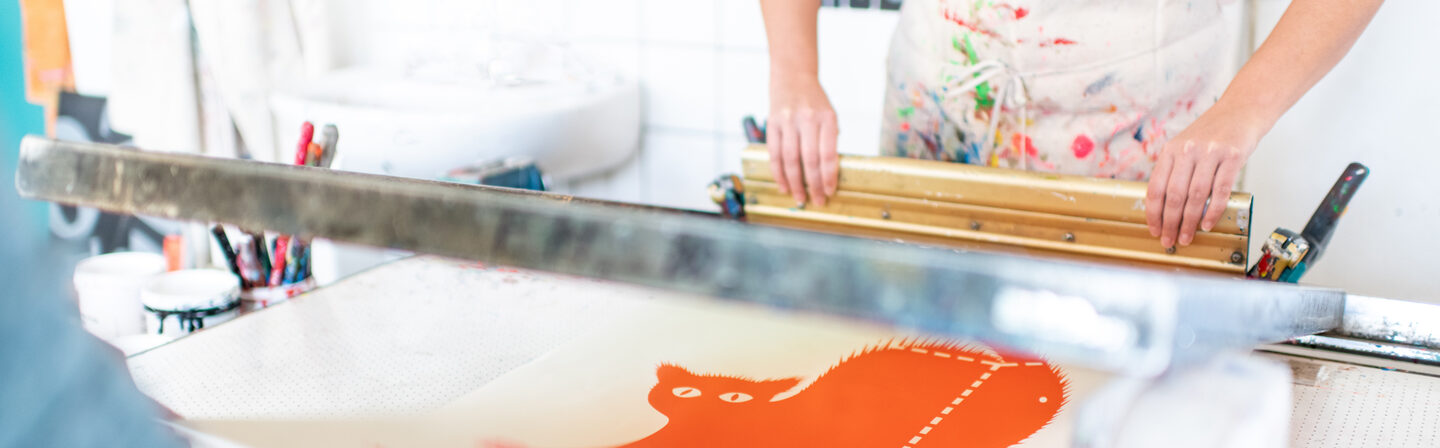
x=784, y=190
x=1207, y=226
x=1166, y=242
x=800, y=205
x=1185, y=240
x=1154, y=232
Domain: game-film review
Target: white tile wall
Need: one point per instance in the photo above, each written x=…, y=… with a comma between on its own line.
x=741, y=26
x=728, y=155
x=677, y=165
x=610, y=20
x=679, y=21
x=853, y=47
x=623, y=57
x=744, y=87
x=624, y=183
x=537, y=19
x=702, y=64
x=678, y=83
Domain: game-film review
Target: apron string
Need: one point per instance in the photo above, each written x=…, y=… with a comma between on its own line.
x=1009, y=90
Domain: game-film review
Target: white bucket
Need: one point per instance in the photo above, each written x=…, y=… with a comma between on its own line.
x=187, y=300
x=108, y=291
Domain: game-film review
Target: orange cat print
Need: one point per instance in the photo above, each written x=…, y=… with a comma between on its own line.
x=899, y=394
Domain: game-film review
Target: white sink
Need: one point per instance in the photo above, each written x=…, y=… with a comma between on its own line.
x=412, y=126
x=409, y=126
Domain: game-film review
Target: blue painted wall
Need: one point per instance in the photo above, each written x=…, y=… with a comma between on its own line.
x=58, y=385
x=17, y=118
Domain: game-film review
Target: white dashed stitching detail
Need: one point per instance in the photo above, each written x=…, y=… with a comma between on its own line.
x=997, y=365
x=994, y=367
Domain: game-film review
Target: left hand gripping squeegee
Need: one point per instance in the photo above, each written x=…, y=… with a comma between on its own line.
x=1104, y=317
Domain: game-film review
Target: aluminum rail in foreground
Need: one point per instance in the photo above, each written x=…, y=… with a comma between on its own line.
x=1392, y=321
x=1117, y=319
x=1383, y=328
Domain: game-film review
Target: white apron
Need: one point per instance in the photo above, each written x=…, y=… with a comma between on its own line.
x=1088, y=87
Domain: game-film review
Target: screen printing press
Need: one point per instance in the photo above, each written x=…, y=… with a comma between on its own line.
x=1014, y=308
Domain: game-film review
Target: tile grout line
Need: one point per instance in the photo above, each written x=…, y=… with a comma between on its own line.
x=642, y=48
x=718, y=145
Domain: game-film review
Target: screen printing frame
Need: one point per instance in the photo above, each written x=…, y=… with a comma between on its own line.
x=1112, y=318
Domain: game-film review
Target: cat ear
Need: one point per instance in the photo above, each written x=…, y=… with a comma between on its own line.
x=774, y=387
x=668, y=373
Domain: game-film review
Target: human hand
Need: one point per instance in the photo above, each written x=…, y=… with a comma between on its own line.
x=1200, y=164
x=801, y=138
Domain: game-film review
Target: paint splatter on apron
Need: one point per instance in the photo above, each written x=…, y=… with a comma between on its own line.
x=1088, y=87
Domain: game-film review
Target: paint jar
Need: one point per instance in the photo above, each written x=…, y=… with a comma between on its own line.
x=254, y=299
x=108, y=288
x=184, y=301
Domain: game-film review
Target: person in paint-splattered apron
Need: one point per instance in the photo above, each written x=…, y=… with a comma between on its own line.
x=1075, y=87
x=1125, y=89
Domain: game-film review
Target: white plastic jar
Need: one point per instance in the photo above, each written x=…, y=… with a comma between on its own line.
x=184, y=301
x=108, y=288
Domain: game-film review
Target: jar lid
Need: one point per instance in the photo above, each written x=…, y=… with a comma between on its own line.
x=191, y=289
x=119, y=267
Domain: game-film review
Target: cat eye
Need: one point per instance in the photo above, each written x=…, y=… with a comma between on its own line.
x=685, y=392
x=735, y=397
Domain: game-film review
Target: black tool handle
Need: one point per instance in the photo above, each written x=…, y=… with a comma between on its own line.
x=1322, y=223
x=753, y=132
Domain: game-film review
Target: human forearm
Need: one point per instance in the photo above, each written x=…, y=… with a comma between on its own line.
x=1204, y=160
x=802, y=127
x=1311, y=37
x=790, y=30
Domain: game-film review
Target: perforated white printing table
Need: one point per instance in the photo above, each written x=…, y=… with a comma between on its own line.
x=413, y=335
x=405, y=337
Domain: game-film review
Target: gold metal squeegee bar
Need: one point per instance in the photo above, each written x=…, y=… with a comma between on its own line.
x=944, y=203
